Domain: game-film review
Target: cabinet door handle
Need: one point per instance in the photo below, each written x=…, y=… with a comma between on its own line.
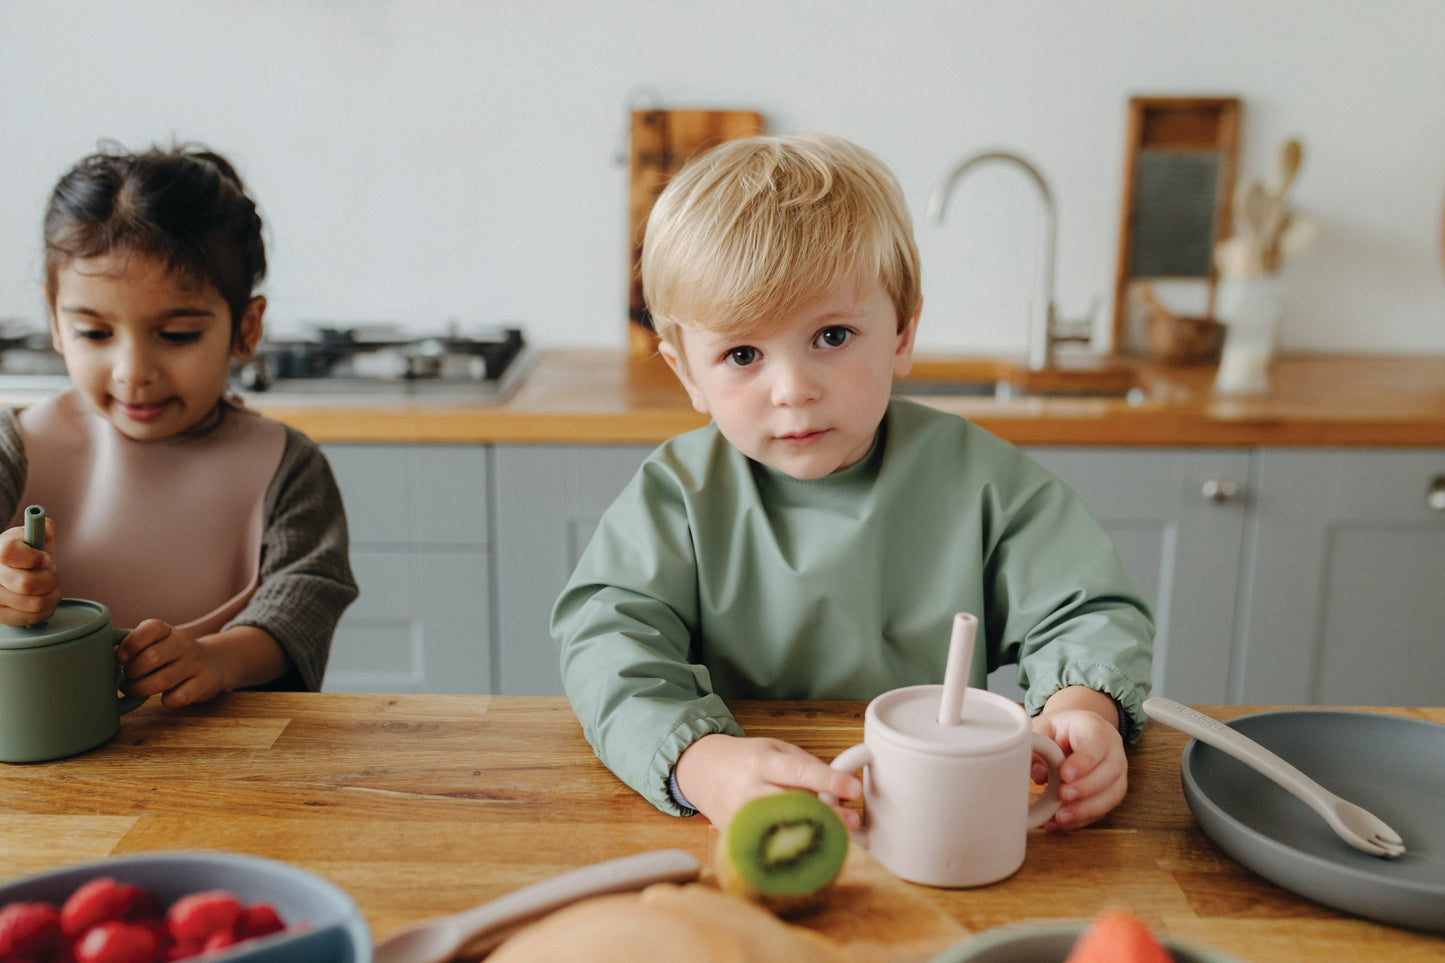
x=1220, y=490
x=1435, y=496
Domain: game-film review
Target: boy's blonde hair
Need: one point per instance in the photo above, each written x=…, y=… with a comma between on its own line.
x=756, y=228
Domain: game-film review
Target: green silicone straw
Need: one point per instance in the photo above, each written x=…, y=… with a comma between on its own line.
x=35, y=538
x=35, y=527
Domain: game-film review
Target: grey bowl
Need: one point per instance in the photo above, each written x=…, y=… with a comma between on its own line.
x=1049, y=941
x=335, y=930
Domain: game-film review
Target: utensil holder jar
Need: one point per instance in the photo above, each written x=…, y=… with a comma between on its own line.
x=1250, y=309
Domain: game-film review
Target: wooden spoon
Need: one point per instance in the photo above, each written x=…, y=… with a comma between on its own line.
x=1290, y=157
x=1254, y=208
x=1277, y=213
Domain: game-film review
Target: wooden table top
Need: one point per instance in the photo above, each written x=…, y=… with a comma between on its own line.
x=420, y=805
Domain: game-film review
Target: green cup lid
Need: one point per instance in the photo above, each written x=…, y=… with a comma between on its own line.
x=73, y=618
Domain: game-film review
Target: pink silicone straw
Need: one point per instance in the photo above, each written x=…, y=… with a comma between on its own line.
x=955, y=673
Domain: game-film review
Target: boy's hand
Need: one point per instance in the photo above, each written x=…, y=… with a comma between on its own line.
x=1095, y=772
x=156, y=657
x=29, y=581
x=719, y=772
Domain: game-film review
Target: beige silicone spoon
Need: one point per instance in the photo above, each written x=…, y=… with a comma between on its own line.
x=1355, y=825
x=479, y=929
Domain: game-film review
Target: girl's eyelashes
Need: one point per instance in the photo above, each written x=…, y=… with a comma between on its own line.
x=94, y=334
x=181, y=337
x=89, y=334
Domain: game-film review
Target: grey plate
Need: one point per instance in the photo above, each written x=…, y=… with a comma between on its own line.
x=1393, y=766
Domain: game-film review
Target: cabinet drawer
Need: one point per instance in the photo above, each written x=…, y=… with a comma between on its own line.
x=420, y=624
x=374, y=482
x=413, y=494
x=595, y=476
x=1379, y=486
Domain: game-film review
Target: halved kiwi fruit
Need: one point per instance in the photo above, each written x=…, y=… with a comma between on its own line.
x=783, y=851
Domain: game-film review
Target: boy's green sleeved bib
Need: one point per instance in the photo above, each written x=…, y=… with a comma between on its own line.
x=712, y=577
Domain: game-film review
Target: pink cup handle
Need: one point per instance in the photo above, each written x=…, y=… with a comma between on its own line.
x=1040, y=809
x=1048, y=802
x=849, y=760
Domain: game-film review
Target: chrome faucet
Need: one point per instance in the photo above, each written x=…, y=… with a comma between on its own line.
x=1043, y=332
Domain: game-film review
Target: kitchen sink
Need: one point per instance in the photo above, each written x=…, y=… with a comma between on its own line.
x=973, y=389
x=1004, y=390
x=981, y=379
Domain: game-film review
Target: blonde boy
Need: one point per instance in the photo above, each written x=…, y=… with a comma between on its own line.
x=815, y=540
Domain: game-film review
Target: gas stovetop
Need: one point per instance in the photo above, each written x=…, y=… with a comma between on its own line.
x=382, y=361
x=328, y=362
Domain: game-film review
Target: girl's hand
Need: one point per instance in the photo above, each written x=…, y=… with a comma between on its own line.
x=158, y=658
x=719, y=772
x=29, y=581
x=1095, y=771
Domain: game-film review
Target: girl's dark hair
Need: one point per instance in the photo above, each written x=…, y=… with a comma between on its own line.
x=185, y=207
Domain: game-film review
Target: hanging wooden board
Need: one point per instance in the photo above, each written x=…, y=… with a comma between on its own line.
x=1178, y=187
x=661, y=141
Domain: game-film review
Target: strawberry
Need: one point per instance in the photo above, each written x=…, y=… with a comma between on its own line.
x=219, y=940
x=101, y=900
x=116, y=942
x=261, y=919
x=171, y=951
x=193, y=918
x=29, y=929
x=1118, y=936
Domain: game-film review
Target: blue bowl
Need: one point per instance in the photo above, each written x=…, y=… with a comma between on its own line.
x=334, y=930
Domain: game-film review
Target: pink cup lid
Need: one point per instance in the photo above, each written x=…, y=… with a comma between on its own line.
x=909, y=716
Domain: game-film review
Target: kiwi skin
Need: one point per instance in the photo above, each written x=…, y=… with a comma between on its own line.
x=804, y=834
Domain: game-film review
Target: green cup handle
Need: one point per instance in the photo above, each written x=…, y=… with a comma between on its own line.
x=124, y=703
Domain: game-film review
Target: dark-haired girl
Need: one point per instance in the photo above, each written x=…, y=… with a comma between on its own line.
x=217, y=533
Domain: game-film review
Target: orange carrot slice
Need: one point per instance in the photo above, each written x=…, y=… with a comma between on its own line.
x=1117, y=936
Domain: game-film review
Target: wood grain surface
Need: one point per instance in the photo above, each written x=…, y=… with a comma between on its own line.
x=659, y=144
x=423, y=805
x=607, y=397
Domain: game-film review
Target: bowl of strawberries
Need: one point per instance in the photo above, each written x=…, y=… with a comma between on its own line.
x=161, y=907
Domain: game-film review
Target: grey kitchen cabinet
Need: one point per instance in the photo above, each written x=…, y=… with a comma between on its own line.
x=1345, y=603
x=1181, y=546
x=1276, y=575
x=550, y=498
x=1178, y=518
x=419, y=521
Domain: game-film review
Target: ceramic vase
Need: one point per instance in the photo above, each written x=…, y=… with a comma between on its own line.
x=1250, y=309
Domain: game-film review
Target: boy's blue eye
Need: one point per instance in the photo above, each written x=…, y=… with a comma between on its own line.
x=834, y=337
x=743, y=356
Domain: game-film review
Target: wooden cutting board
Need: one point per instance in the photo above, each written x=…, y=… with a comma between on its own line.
x=878, y=918
x=661, y=141
x=872, y=915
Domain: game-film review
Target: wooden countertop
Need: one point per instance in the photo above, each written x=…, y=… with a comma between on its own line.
x=423, y=805
x=606, y=397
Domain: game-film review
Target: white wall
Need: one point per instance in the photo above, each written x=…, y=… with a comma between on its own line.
x=417, y=161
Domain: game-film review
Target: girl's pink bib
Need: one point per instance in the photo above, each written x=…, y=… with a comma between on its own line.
x=166, y=529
